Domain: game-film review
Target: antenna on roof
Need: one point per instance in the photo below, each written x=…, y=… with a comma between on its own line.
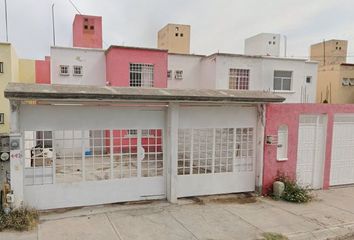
x=53, y=24
x=7, y=31
x=75, y=7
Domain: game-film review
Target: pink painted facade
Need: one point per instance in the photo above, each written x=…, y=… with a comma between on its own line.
x=118, y=59
x=42, y=69
x=87, y=31
x=289, y=114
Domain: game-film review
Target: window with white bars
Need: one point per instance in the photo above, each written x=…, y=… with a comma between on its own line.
x=239, y=79
x=219, y=150
x=141, y=75
x=77, y=71
x=179, y=74
x=64, y=156
x=64, y=70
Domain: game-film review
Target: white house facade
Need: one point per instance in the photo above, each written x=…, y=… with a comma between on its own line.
x=79, y=66
x=293, y=79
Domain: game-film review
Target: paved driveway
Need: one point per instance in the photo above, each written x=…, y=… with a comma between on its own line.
x=225, y=217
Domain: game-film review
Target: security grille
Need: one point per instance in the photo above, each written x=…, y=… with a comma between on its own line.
x=141, y=75
x=239, y=79
x=219, y=150
x=66, y=156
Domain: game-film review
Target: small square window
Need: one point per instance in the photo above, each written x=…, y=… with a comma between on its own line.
x=270, y=42
x=351, y=82
x=273, y=43
x=92, y=27
x=181, y=34
x=336, y=48
x=1, y=67
x=308, y=79
x=177, y=28
x=340, y=48
x=77, y=71
x=169, y=74
x=179, y=74
x=86, y=19
x=2, y=118
x=132, y=132
x=86, y=27
x=346, y=82
x=176, y=34
x=64, y=70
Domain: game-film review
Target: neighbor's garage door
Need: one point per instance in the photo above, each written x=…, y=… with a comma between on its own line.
x=342, y=164
x=216, y=150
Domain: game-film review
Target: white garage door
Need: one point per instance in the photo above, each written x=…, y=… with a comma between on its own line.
x=92, y=156
x=311, y=147
x=216, y=150
x=342, y=163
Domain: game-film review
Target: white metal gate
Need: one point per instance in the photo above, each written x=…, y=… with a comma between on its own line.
x=311, y=150
x=216, y=150
x=96, y=161
x=342, y=163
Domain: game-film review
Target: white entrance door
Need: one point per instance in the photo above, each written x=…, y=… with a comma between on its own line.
x=342, y=163
x=311, y=148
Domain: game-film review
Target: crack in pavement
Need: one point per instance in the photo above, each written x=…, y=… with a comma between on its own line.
x=114, y=228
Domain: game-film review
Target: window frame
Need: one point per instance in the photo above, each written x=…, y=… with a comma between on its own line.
x=169, y=75
x=81, y=70
x=2, y=118
x=1, y=67
x=144, y=71
x=309, y=77
x=239, y=78
x=179, y=74
x=67, y=73
x=282, y=81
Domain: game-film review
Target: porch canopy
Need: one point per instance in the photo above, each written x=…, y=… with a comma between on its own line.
x=100, y=144
x=22, y=91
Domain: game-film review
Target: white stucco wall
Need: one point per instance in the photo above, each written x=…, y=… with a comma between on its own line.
x=264, y=44
x=190, y=64
x=93, y=62
x=262, y=74
x=208, y=73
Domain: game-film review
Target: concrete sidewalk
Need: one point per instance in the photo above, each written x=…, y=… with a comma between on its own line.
x=225, y=217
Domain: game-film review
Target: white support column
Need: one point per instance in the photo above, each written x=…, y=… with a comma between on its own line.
x=16, y=155
x=261, y=122
x=172, y=151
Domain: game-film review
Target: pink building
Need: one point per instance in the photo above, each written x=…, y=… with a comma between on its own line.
x=310, y=143
x=136, y=67
x=42, y=69
x=87, y=31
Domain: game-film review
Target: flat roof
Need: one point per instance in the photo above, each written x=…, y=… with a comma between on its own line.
x=262, y=57
x=26, y=91
x=136, y=48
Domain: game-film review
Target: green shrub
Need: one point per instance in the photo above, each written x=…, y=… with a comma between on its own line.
x=274, y=236
x=21, y=219
x=294, y=192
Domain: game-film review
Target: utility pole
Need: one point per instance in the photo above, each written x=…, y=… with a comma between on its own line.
x=53, y=24
x=7, y=30
x=285, y=45
x=324, y=52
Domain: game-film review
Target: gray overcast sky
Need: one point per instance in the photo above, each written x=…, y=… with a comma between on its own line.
x=216, y=24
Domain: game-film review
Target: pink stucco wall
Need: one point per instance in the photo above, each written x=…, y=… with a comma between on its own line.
x=87, y=31
x=118, y=61
x=278, y=114
x=43, y=71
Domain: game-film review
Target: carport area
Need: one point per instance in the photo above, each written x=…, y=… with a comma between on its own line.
x=88, y=145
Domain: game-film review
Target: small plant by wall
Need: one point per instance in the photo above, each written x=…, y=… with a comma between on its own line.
x=293, y=192
x=21, y=219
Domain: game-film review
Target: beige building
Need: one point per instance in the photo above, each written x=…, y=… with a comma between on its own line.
x=335, y=82
x=175, y=38
x=330, y=52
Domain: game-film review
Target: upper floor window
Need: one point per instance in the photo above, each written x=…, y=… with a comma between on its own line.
x=64, y=70
x=169, y=74
x=77, y=71
x=179, y=74
x=141, y=75
x=308, y=79
x=239, y=79
x=282, y=80
x=1, y=67
x=2, y=118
